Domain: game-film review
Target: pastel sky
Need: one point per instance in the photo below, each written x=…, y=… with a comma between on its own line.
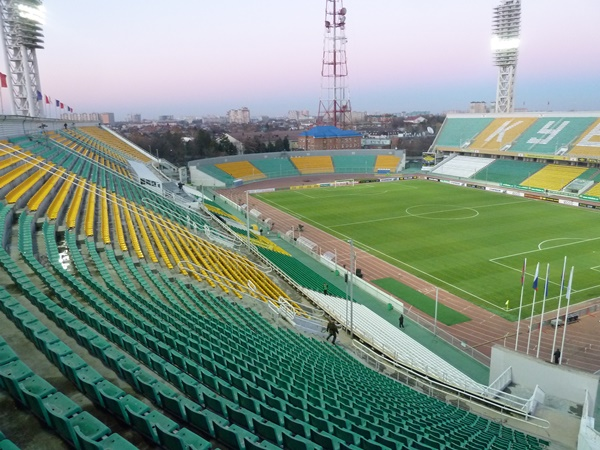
x=191, y=57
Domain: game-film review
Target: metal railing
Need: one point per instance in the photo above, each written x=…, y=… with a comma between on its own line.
x=515, y=409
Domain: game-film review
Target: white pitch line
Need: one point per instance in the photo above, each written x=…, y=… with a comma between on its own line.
x=458, y=208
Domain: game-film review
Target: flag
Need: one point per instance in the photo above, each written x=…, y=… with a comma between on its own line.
x=57, y=103
x=3, y=82
x=39, y=96
x=568, y=295
x=536, y=277
x=47, y=99
x=523, y=272
x=562, y=277
x=62, y=105
x=546, y=287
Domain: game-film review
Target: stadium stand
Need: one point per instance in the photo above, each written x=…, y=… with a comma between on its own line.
x=551, y=135
x=462, y=166
x=387, y=162
x=119, y=145
x=589, y=143
x=276, y=167
x=353, y=163
x=553, y=177
x=394, y=342
x=242, y=170
x=459, y=131
x=202, y=370
x=500, y=134
x=313, y=164
x=508, y=171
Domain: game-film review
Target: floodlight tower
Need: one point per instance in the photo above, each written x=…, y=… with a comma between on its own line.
x=334, y=105
x=505, y=47
x=22, y=22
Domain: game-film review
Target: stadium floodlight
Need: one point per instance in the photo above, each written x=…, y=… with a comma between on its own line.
x=21, y=22
x=505, y=48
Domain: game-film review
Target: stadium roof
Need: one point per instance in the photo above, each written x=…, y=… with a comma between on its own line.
x=329, y=131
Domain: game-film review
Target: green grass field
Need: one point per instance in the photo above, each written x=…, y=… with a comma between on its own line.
x=467, y=241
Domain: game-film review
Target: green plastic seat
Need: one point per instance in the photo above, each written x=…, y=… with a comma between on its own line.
x=34, y=390
x=233, y=436
x=181, y=439
x=203, y=419
x=269, y=431
x=11, y=374
x=84, y=424
x=146, y=423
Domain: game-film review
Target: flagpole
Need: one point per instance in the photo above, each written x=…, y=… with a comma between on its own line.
x=535, y=283
x=520, y=303
x=562, y=345
x=537, y=355
x=562, y=283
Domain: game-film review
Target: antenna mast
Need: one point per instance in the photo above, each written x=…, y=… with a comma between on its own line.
x=334, y=105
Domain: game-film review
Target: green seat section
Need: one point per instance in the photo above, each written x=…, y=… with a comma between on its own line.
x=276, y=167
x=508, y=171
x=549, y=135
x=456, y=131
x=354, y=163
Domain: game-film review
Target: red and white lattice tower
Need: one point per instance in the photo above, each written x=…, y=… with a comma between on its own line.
x=334, y=105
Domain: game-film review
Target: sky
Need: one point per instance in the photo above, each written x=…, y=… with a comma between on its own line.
x=196, y=58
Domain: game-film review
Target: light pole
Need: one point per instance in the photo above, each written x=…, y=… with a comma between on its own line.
x=351, y=290
x=247, y=218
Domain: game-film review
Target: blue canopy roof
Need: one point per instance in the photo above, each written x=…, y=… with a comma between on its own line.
x=329, y=131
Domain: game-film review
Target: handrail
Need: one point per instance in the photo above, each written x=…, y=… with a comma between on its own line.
x=436, y=387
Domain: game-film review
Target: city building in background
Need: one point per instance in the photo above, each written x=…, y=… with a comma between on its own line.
x=240, y=116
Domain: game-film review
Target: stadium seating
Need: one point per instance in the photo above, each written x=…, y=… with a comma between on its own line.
x=458, y=132
x=462, y=166
x=353, y=163
x=210, y=368
x=553, y=177
x=588, y=145
x=276, y=167
x=387, y=162
x=241, y=170
x=313, y=164
x=508, y=171
x=551, y=135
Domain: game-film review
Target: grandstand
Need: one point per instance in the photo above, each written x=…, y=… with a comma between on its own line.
x=140, y=309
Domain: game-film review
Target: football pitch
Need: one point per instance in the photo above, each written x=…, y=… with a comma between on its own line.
x=470, y=242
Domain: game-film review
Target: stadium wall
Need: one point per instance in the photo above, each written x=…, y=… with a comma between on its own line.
x=260, y=156
x=16, y=126
x=559, y=381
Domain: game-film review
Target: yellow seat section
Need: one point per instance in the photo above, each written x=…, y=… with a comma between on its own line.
x=135, y=243
x=589, y=143
x=116, y=143
x=59, y=200
x=149, y=224
x=143, y=231
x=20, y=189
x=34, y=202
x=90, y=212
x=384, y=162
x=73, y=211
x=553, y=177
x=501, y=132
x=241, y=169
x=18, y=171
x=313, y=164
x=104, y=221
x=595, y=190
